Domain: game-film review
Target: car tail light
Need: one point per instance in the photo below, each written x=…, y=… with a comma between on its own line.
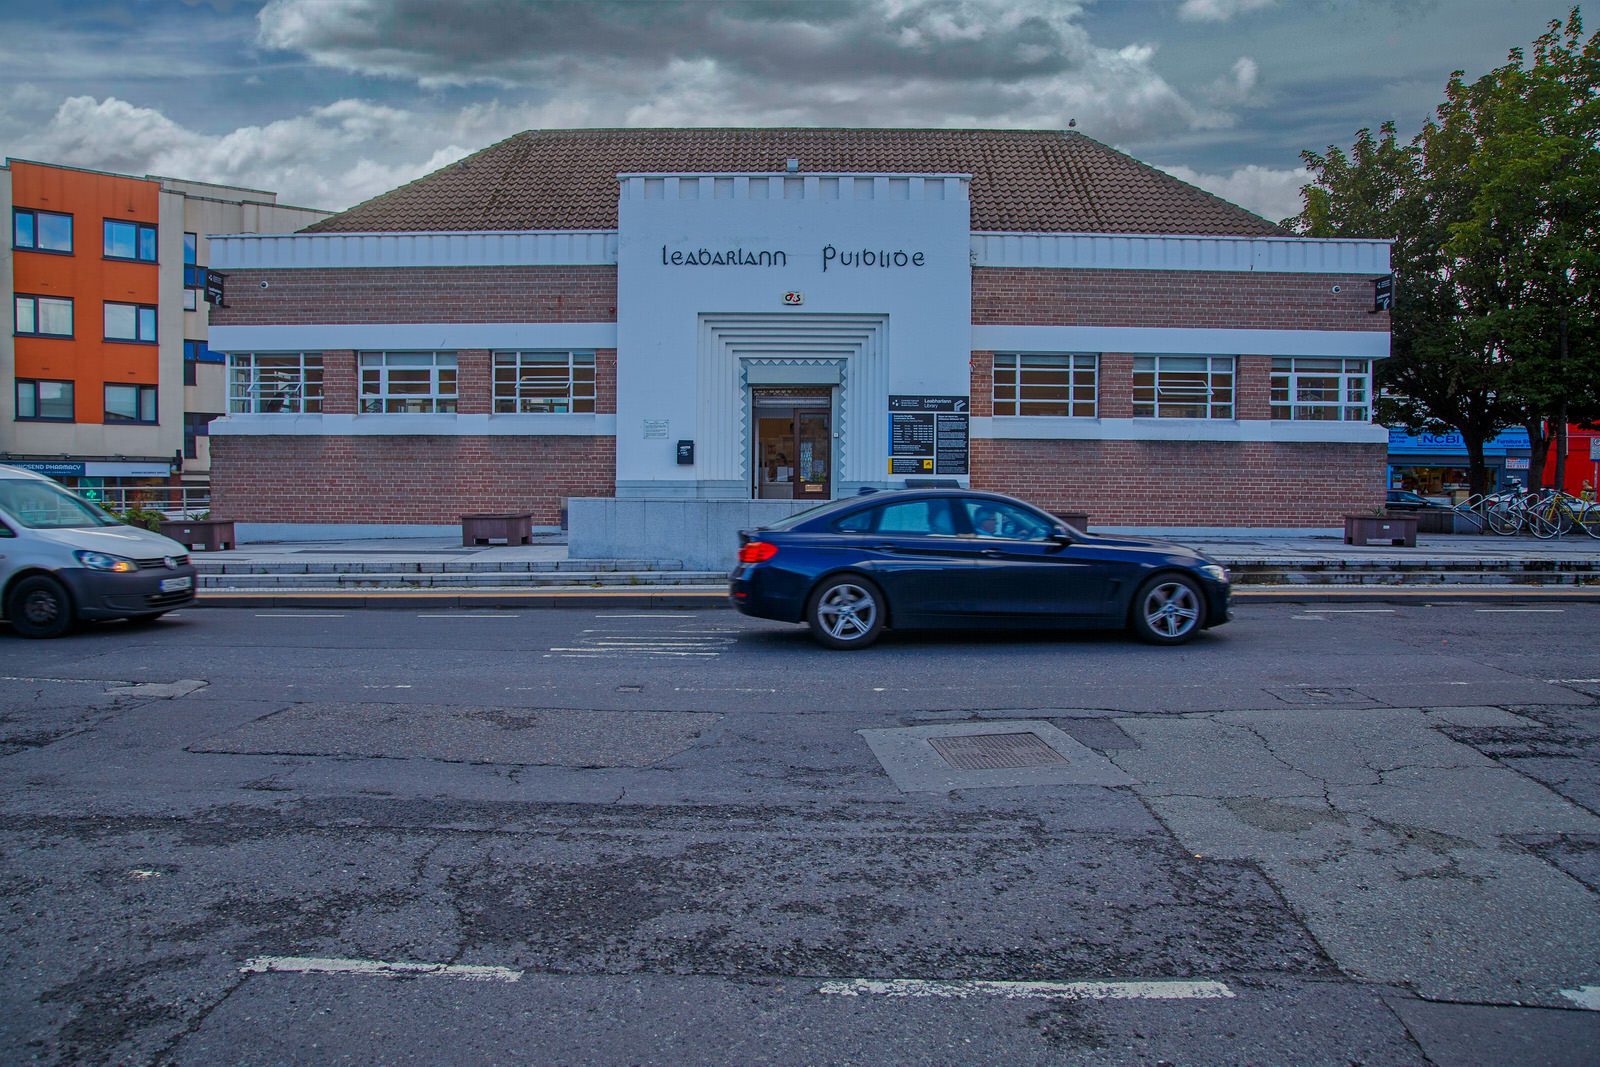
x=757, y=552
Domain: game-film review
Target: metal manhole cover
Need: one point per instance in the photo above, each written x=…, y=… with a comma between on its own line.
x=978, y=752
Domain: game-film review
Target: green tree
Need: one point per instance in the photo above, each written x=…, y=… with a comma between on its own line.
x=1492, y=208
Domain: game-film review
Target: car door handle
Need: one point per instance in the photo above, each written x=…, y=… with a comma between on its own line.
x=885, y=548
x=993, y=553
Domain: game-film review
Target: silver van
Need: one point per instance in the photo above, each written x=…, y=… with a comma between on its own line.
x=63, y=560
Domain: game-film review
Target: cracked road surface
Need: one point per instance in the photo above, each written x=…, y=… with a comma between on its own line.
x=393, y=838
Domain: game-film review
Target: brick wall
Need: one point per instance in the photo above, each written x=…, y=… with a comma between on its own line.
x=404, y=479
x=1186, y=483
x=419, y=294
x=338, y=385
x=1029, y=296
x=605, y=381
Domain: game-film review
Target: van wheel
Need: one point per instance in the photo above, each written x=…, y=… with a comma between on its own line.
x=40, y=606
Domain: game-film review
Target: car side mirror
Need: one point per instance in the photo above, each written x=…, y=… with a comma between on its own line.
x=1061, y=534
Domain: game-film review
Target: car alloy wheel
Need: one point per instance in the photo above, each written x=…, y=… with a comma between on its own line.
x=846, y=613
x=1168, y=610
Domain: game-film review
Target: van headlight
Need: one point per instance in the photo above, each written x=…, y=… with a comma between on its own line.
x=1216, y=572
x=99, y=561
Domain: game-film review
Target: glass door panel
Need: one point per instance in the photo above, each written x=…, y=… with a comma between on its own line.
x=814, y=452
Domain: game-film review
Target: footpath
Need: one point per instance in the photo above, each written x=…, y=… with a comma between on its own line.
x=1266, y=565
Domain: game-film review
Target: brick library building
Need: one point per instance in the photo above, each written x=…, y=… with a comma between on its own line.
x=759, y=317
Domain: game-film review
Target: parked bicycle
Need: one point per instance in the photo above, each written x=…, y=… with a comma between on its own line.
x=1546, y=514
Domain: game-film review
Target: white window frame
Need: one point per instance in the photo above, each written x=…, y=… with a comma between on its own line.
x=275, y=383
x=1076, y=395
x=386, y=380
x=550, y=382
x=1296, y=399
x=1164, y=387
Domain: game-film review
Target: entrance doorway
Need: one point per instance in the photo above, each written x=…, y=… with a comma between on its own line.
x=793, y=444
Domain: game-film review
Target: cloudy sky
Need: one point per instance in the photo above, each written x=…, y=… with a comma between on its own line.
x=329, y=102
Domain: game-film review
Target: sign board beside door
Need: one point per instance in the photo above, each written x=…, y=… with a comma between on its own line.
x=928, y=434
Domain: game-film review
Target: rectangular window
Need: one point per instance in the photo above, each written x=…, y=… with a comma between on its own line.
x=1321, y=390
x=196, y=424
x=408, y=383
x=554, y=382
x=191, y=300
x=1038, y=384
x=41, y=231
x=191, y=249
x=44, y=316
x=275, y=382
x=130, y=240
x=44, y=400
x=1183, y=387
x=130, y=403
x=131, y=322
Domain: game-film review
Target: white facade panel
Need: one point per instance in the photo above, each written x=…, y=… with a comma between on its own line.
x=466, y=249
x=415, y=337
x=277, y=425
x=1355, y=344
x=1279, y=255
x=869, y=274
x=1026, y=428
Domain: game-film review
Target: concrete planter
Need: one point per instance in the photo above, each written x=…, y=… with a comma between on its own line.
x=208, y=534
x=1396, y=529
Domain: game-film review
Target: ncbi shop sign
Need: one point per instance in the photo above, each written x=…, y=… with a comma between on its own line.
x=1451, y=441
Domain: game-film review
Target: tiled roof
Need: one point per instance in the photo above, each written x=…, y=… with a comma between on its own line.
x=1048, y=181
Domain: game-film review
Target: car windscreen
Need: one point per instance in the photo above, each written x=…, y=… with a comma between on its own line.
x=48, y=506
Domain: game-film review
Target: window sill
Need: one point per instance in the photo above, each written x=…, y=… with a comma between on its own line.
x=46, y=336
x=58, y=422
x=45, y=251
x=130, y=259
x=129, y=341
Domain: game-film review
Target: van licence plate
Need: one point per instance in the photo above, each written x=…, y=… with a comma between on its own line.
x=172, y=585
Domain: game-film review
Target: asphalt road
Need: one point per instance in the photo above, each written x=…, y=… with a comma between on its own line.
x=1320, y=834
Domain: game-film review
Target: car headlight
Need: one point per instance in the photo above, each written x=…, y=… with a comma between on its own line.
x=99, y=561
x=1216, y=572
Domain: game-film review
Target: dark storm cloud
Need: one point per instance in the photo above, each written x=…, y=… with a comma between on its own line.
x=523, y=43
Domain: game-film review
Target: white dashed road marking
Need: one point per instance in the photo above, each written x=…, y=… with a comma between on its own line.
x=686, y=641
x=382, y=968
x=1520, y=611
x=295, y=615
x=916, y=987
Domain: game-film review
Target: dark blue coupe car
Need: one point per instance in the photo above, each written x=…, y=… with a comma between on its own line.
x=933, y=558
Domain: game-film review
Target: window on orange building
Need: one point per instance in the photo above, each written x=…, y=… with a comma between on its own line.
x=43, y=316
x=130, y=240
x=130, y=403
x=41, y=231
x=131, y=322
x=43, y=400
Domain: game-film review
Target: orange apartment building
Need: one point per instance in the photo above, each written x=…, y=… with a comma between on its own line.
x=108, y=383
